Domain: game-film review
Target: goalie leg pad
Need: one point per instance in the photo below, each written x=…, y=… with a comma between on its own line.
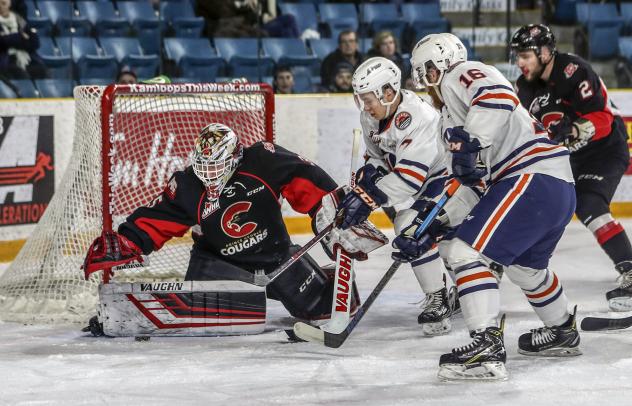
x=187, y=308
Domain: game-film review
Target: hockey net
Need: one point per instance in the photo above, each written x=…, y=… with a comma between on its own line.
x=128, y=141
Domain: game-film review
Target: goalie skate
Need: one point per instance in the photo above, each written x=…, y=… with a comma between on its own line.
x=482, y=359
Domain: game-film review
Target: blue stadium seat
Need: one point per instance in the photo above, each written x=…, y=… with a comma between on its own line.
x=180, y=16
x=626, y=14
x=241, y=55
x=304, y=14
x=590, y=14
x=54, y=87
x=63, y=16
x=58, y=65
x=145, y=22
x=128, y=51
x=6, y=92
x=382, y=17
x=104, y=18
x=291, y=52
x=195, y=57
x=43, y=25
x=25, y=88
x=364, y=44
x=565, y=11
x=90, y=60
x=323, y=47
x=302, y=80
x=185, y=80
x=424, y=19
x=603, y=40
x=339, y=17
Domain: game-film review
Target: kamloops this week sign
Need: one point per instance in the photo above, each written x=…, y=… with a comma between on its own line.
x=26, y=168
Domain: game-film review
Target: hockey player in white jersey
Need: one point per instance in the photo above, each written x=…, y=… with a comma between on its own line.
x=404, y=161
x=529, y=200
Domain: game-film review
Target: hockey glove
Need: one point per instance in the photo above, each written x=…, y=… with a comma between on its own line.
x=409, y=247
x=109, y=250
x=363, y=199
x=574, y=134
x=464, y=156
x=358, y=240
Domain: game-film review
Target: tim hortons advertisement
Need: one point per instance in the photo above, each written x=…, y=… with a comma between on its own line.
x=26, y=168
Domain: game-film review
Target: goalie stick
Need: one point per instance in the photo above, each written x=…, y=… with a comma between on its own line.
x=344, y=271
x=309, y=333
x=605, y=323
x=263, y=280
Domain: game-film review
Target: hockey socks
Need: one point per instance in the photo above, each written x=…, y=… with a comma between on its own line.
x=478, y=295
x=612, y=238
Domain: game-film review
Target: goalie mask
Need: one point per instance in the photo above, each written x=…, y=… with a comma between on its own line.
x=438, y=51
x=215, y=157
x=374, y=76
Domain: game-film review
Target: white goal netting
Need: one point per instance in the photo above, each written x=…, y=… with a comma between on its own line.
x=140, y=134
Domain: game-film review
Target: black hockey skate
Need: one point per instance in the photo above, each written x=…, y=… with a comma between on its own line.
x=620, y=299
x=435, y=317
x=482, y=359
x=557, y=341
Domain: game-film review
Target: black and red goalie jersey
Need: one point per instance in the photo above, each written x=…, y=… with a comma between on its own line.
x=244, y=225
x=573, y=93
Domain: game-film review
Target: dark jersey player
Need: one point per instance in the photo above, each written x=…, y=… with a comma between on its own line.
x=569, y=98
x=231, y=197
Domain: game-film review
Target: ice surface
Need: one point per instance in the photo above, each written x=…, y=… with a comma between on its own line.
x=386, y=361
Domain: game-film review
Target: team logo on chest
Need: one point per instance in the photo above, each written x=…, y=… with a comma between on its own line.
x=230, y=220
x=403, y=120
x=570, y=69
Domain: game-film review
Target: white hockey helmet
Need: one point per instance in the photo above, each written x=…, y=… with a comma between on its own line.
x=440, y=51
x=215, y=157
x=372, y=76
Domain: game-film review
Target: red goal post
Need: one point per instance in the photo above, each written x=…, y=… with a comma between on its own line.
x=128, y=140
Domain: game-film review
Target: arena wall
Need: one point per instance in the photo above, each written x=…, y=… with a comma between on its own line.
x=319, y=127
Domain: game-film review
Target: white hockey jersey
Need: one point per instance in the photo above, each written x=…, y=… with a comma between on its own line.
x=480, y=99
x=407, y=146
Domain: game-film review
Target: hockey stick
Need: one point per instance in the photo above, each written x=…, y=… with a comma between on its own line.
x=309, y=333
x=605, y=323
x=264, y=280
x=344, y=270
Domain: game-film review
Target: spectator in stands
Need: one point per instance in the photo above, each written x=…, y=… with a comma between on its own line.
x=385, y=45
x=245, y=18
x=347, y=51
x=283, y=80
x=18, y=43
x=342, y=78
x=409, y=84
x=126, y=76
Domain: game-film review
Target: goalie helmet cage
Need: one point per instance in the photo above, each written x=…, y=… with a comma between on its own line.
x=128, y=140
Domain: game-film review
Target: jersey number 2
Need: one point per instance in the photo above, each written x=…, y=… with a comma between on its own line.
x=585, y=90
x=470, y=76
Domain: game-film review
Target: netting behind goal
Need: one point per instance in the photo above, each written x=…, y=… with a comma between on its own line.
x=128, y=140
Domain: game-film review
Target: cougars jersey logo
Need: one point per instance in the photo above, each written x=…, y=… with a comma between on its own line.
x=551, y=118
x=230, y=218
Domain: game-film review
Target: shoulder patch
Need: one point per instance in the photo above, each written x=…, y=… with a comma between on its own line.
x=403, y=120
x=570, y=69
x=269, y=146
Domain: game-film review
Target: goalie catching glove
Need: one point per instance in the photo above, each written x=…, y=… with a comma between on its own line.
x=109, y=250
x=358, y=240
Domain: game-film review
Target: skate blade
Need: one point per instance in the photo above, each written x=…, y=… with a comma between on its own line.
x=485, y=371
x=436, y=329
x=620, y=304
x=553, y=352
